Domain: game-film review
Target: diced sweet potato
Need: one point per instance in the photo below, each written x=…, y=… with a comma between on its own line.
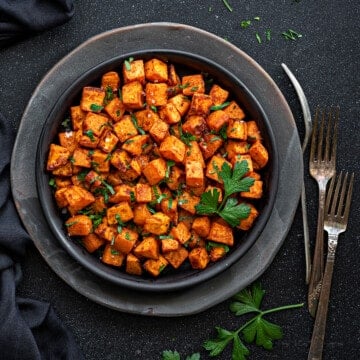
x=202, y=226
x=156, y=70
x=110, y=80
x=246, y=224
x=95, y=123
x=159, y=130
x=199, y=258
x=181, y=233
x=156, y=94
x=148, y=248
x=133, y=70
x=132, y=95
x=92, y=242
x=259, y=154
x=77, y=117
x=125, y=128
x=175, y=178
x=60, y=198
x=255, y=191
x=119, y=212
x=221, y=233
x=169, y=114
x=108, y=141
x=112, y=256
x=181, y=102
x=157, y=224
x=218, y=94
x=234, y=148
x=78, y=198
x=214, y=166
x=194, y=174
x=234, y=111
x=122, y=193
x=115, y=109
x=155, y=171
x=253, y=132
x=120, y=159
x=143, y=193
x=155, y=267
x=68, y=140
x=188, y=202
x=169, y=244
x=135, y=145
x=237, y=129
x=141, y=213
x=217, y=119
x=101, y=160
x=78, y=225
x=176, y=257
x=210, y=144
x=81, y=158
x=193, y=153
x=192, y=84
x=173, y=149
x=195, y=125
x=145, y=118
x=169, y=207
x=106, y=231
x=125, y=240
x=92, y=99
x=133, y=265
x=200, y=105
x=58, y=156
x=217, y=253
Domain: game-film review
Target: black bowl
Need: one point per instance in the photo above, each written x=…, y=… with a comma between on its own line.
x=169, y=280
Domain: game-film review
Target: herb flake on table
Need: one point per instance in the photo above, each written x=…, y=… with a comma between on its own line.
x=291, y=35
x=227, y=5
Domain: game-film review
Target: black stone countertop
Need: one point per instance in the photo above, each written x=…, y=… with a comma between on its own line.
x=326, y=62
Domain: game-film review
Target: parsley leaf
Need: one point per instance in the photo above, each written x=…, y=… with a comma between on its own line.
x=174, y=355
x=233, y=212
x=209, y=203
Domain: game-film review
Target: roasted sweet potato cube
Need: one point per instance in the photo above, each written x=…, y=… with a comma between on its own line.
x=254, y=175
x=78, y=198
x=176, y=257
x=156, y=70
x=192, y=84
x=133, y=70
x=237, y=129
x=95, y=123
x=93, y=179
x=81, y=158
x=156, y=94
x=125, y=240
x=169, y=114
x=110, y=80
x=173, y=149
x=77, y=117
x=173, y=77
x=188, y=202
x=221, y=233
x=194, y=174
x=217, y=119
x=246, y=224
x=193, y=153
x=99, y=205
x=136, y=144
x=133, y=265
x=218, y=94
x=125, y=128
x=143, y=193
x=155, y=267
x=169, y=207
x=196, y=190
x=147, y=248
x=217, y=253
x=89, y=140
x=105, y=231
x=255, y=191
x=120, y=159
x=68, y=140
x=259, y=154
x=78, y=225
x=181, y=102
x=210, y=144
x=141, y=213
x=58, y=156
x=201, y=225
x=195, y=125
x=92, y=242
x=157, y=224
x=101, y=160
x=122, y=193
x=112, y=256
x=155, y=171
x=132, y=95
x=181, y=232
x=92, y=99
x=176, y=177
x=120, y=212
x=199, y=258
x=169, y=244
x=200, y=105
x=234, y=148
x=195, y=241
x=115, y=108
x=253, y=132
x=245, y=157
x=214, y=166
x=108, y=141
x=234, y=111
x=60, y=197
x=61, y=182
x=145, y=118
x=159, y=130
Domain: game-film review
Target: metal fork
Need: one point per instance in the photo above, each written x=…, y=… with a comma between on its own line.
x=335, y=223
x=322, y=169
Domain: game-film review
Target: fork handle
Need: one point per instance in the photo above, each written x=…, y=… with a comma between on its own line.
x=318, y=335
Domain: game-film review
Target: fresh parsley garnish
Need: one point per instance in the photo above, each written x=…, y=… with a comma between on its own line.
x=234, y=182
x=96, y=107
x=90, y=135
x=52, y=183
x=174, y=355
x=227, y=5
x=220, y=106
x=185, y=137
x=128, y=63
x=256, y=330
x=134, y=121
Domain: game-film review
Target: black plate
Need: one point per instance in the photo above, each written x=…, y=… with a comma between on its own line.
x=183, y=277
x=126, y=40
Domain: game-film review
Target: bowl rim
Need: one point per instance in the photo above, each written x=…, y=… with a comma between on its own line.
x=120, y=277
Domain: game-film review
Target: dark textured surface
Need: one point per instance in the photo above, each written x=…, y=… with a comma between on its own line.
x=325, y=61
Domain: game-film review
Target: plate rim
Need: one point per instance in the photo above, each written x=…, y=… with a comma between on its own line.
x=174, y=304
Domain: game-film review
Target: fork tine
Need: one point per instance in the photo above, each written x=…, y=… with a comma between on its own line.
x=336, y=204
x=348, y=198
x=329, y=193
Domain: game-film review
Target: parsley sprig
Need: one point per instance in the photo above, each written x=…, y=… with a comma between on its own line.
x=256, y=330
x=174, y=355
x=234, y=182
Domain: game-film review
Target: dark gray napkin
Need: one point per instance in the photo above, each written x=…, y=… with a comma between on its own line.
x=22, y=18
x=29, y=329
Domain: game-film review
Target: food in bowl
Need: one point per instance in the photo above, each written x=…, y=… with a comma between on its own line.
x=152, y=169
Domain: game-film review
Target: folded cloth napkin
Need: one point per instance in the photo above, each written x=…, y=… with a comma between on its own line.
x=29, y=329
x=21, y=18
